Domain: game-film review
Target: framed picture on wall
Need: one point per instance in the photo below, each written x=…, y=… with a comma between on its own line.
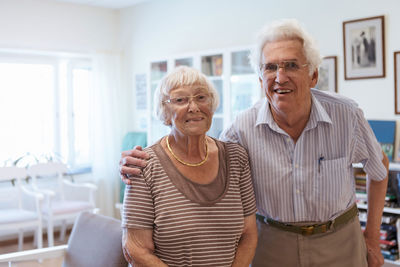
x=327, y=78
x=364, y=48
x=397, y=82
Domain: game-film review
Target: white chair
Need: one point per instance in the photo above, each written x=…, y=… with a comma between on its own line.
x=20, y=207
x=64, y=200
x=95, y=241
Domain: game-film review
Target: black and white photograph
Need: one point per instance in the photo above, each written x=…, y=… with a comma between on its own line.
x=327, y=76
x=364, y=48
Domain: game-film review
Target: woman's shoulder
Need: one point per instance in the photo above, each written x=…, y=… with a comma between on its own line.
x=151, y=150
x=234, y=150
x=231, y=145
x=153, y=162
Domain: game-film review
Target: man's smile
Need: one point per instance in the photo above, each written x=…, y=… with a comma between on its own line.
x=282, y=91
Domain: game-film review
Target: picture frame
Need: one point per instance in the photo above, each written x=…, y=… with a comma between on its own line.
x=364, y=48
x=396, y=64
x=327, y=78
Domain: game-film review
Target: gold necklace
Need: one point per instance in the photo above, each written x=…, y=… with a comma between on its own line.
x=185, y=163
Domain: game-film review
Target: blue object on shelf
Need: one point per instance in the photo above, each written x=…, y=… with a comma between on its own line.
x=385, y=132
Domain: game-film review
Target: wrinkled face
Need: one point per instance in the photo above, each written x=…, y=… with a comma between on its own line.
x=288, y=88
x=193, y=116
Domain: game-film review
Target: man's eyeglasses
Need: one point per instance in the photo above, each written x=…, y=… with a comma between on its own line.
x=288, y=66
x=184, y=100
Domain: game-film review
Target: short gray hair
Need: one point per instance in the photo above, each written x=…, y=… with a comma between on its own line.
x=178, y=77
x=286, y=29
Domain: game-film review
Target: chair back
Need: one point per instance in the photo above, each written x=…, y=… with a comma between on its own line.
x=10, y=173
x=95, y=240
x=14, y=175
x=50, y=170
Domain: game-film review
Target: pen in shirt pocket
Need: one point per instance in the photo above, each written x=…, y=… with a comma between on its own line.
x=320, y=159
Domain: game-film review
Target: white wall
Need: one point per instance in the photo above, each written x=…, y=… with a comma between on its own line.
x=161, y=28
x=52, y=25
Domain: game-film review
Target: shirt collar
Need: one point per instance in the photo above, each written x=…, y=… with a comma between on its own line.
x=318, y=114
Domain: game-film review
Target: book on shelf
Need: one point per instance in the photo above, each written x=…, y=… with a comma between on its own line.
x=217, y=65
x=385, y=132
x=362, y=198
x=388, y=240
x=386, y=218
x=392, y=257
x=394, y=186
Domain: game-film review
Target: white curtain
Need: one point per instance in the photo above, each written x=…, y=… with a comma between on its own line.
x=108, y=123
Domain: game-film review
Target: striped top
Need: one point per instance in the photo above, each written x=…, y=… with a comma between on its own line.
x=310, y=180
x=191, y=226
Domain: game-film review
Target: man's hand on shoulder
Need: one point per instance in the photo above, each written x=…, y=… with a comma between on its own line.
x=131, y=163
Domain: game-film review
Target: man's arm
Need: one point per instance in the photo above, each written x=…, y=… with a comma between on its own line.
x=247, y=244
x=376, y=191
x=138, y=248
x=131, y=163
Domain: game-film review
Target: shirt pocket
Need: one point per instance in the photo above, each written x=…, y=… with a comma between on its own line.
x=333, y=183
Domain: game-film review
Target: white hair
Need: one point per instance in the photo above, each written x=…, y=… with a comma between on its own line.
x=286, y=29
x=179, y=77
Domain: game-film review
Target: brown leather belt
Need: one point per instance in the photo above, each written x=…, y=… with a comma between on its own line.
x=318, y=228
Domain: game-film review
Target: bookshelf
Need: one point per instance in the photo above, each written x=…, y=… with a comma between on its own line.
x=385, y=209
x=391, y=211
x=230, y=72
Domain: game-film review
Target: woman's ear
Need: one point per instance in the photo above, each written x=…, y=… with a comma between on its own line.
x=314, y=79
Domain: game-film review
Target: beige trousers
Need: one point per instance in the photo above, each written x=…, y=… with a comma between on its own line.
x=341, y=247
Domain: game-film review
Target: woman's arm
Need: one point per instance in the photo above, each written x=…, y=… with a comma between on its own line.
x=138, y=248
x=247, y=244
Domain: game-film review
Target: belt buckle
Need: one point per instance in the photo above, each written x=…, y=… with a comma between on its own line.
x=326, y=227
x=307, y=230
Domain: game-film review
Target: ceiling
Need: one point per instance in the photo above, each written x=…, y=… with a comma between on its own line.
x=115, y=4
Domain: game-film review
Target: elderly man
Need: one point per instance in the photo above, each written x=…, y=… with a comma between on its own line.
x=302, y=144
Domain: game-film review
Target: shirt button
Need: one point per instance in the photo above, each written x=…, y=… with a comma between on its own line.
x=297, y=191
x=296, y=166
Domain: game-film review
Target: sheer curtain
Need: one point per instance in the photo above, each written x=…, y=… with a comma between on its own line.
x=108, y=123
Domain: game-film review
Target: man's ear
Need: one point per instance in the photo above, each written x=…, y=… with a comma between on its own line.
x=261, y=86
x=314, y=79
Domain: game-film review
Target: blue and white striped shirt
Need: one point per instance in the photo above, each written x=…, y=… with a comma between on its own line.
x=311, y=180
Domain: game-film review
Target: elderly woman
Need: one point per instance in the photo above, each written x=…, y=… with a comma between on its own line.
x=194, y=204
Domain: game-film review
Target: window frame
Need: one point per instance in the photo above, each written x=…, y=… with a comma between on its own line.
x=58, y=61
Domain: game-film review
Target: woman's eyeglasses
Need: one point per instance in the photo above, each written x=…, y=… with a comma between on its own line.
x=184, y=100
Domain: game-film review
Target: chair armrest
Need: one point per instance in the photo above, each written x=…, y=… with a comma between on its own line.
x=81, y=185
x=34, y=194
x=46, y=192
x=81, y=191
x=35, y=254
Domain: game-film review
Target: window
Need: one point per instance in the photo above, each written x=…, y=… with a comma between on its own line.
x=81, y=82
x=44, y=108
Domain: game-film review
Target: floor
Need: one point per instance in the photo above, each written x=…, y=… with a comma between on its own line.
x=12, y=246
